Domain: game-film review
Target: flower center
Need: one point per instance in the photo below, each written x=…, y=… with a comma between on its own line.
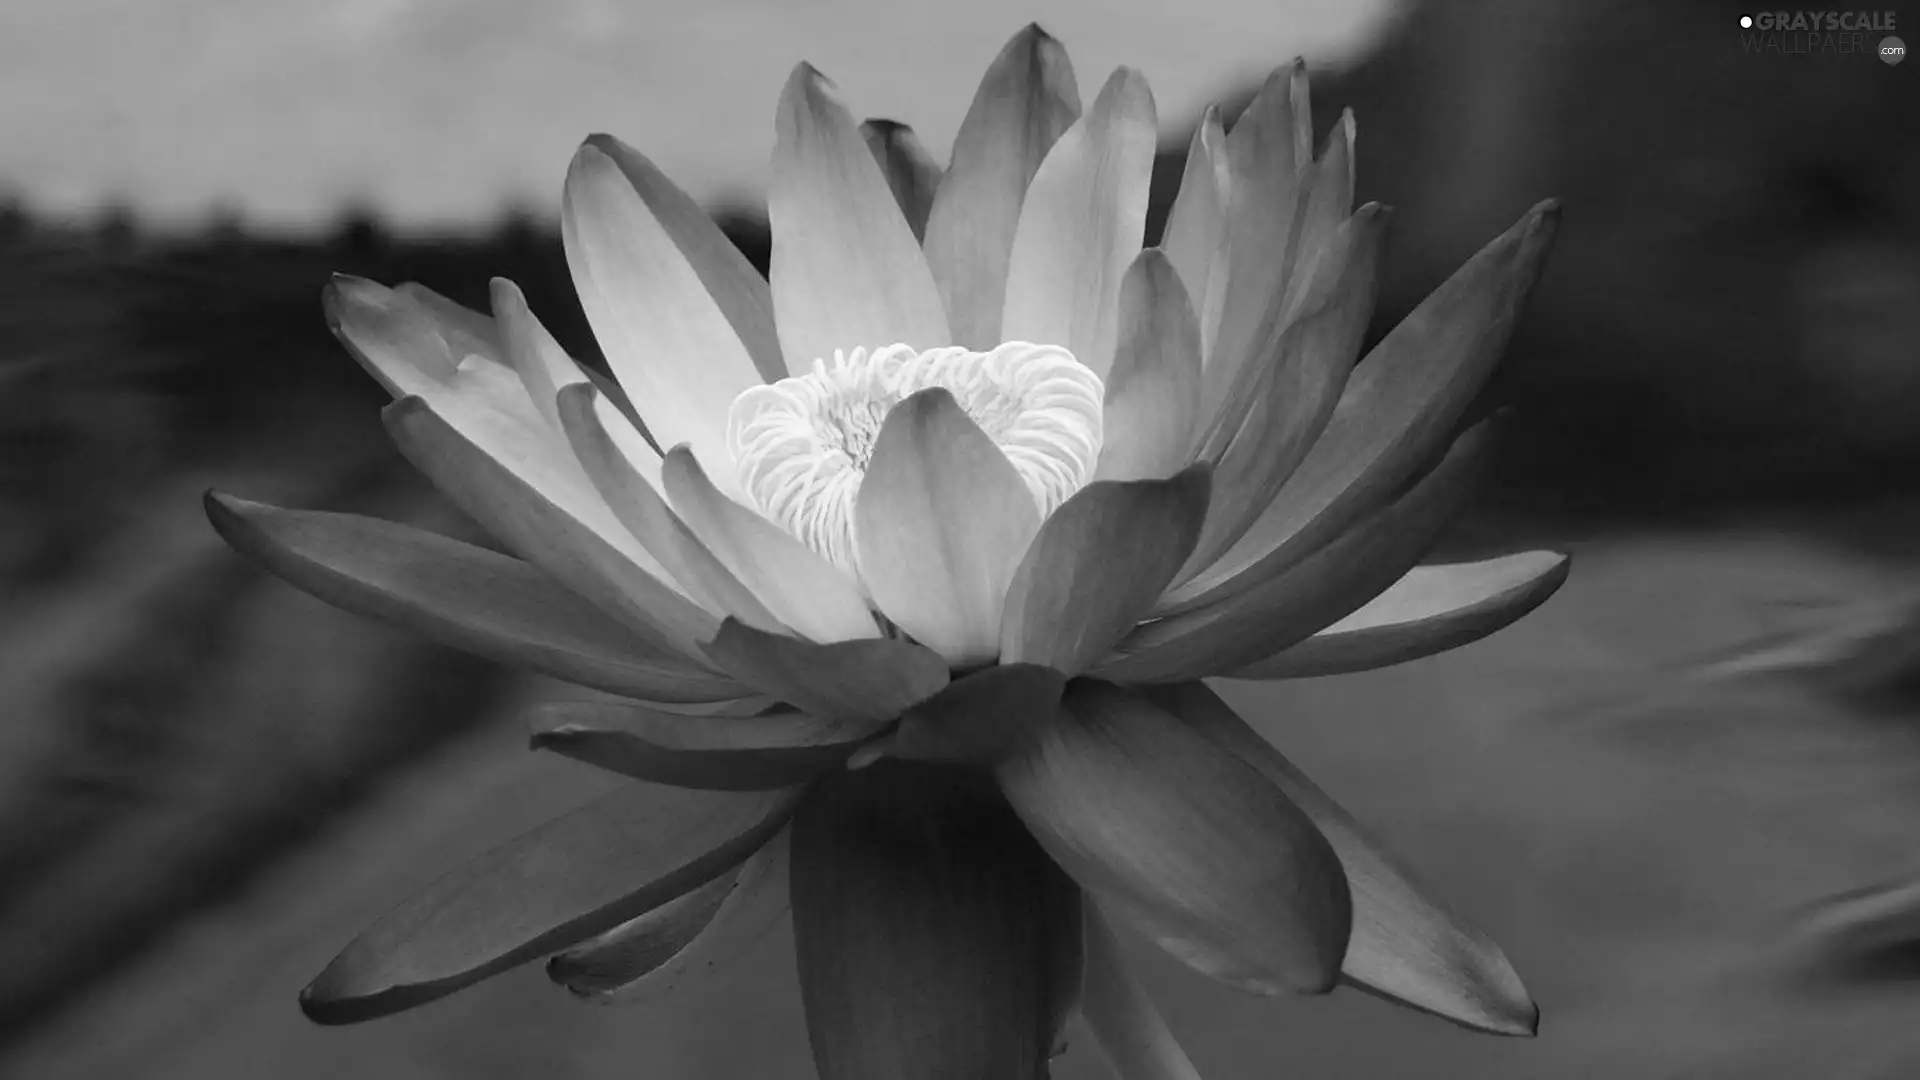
x=802, y=444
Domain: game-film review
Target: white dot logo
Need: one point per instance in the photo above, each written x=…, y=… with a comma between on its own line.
x=1746, y=22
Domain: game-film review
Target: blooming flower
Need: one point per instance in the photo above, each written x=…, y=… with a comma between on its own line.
x=903, y=569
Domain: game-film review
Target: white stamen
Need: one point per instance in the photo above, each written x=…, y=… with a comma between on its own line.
x=802, y=444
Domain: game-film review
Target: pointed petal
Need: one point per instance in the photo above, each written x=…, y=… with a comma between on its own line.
x=1153, y=390
x=1027, y=99
x=543, y=366
x=1081, y=226
x=739, y=753
x=543, y=507
x=625, y=470
x=1130, y=1030
x=1097, y=566
x=736, y=287
x=931, y=934
x=1430, y=610
x=1267, y=166
x=459, y=595
x=1295, y=384
x=871, y=679
x=665, y=337
x=1328, y=201
x=410, y=347
x=467, y=332
x=1400, y=404
x=683, y=942
x=912, y=174
x=799, y=587
x=846, y=269
x=1329, y=584
x=1405, y=944
x=1132, y=803
x=977, y=718
x=1196, y=236
x=940, y=524
x=576, y=876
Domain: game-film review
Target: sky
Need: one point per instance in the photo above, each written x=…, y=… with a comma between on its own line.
x=441, y=113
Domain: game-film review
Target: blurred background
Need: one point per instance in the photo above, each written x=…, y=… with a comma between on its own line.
x=1683, y=795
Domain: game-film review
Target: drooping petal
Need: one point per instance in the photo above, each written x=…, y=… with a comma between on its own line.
x=1130, y=1030
x=1027, y=99
x=1398, y=407
x=1334, y=581
x=1430, y=610
x=1096, y=567
x=625, y=470
x=1267, y=162
x=934, y=938
x=1153, y=390
x=801, y=589
x=1272, y=424
x=1196, y=238
x=666, y=338
x=846, y=269
x=1081, y=226
x=1405, y=944
x=1132, y=803
x=459, y=595
x=870, y=679
x=912, y=174
x=976, y=718
x=680, y=943
x=541, y=505
x=940, y=524
x=737, y=753
x=736, y=287
x=576, y=876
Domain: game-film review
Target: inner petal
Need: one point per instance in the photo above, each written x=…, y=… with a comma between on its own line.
x=801, y=445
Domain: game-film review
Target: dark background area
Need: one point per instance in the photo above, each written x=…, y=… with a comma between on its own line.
x=1727, y=337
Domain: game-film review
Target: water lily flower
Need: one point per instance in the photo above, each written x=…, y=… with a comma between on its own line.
x=900, y=572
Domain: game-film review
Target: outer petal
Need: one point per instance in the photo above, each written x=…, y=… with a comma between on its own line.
x=543, y=366
x=1097, y=566
x=572, y=878
x=1268, y=154
x=1027, y=99
x=1130, y=1030
x=1401, y=403
x=1132, y=803
x=694, y=937
x=1327, y=201
x=1081, y=226
x=978, y=718
x=742, y=753
x=736, y=287
x=799, y=587
x=1153, y=391
x=535, y=503
x=1430, y=610
x=1405, y=944
x=1196, y=237
x=872, y=679
x=934, y=939
x=940, y=524
x=846, y=269
x=911, y=173
x=626, y=471
x=665, y=337
x=1326, y=586
x=459, y=595
x=1293, y=387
